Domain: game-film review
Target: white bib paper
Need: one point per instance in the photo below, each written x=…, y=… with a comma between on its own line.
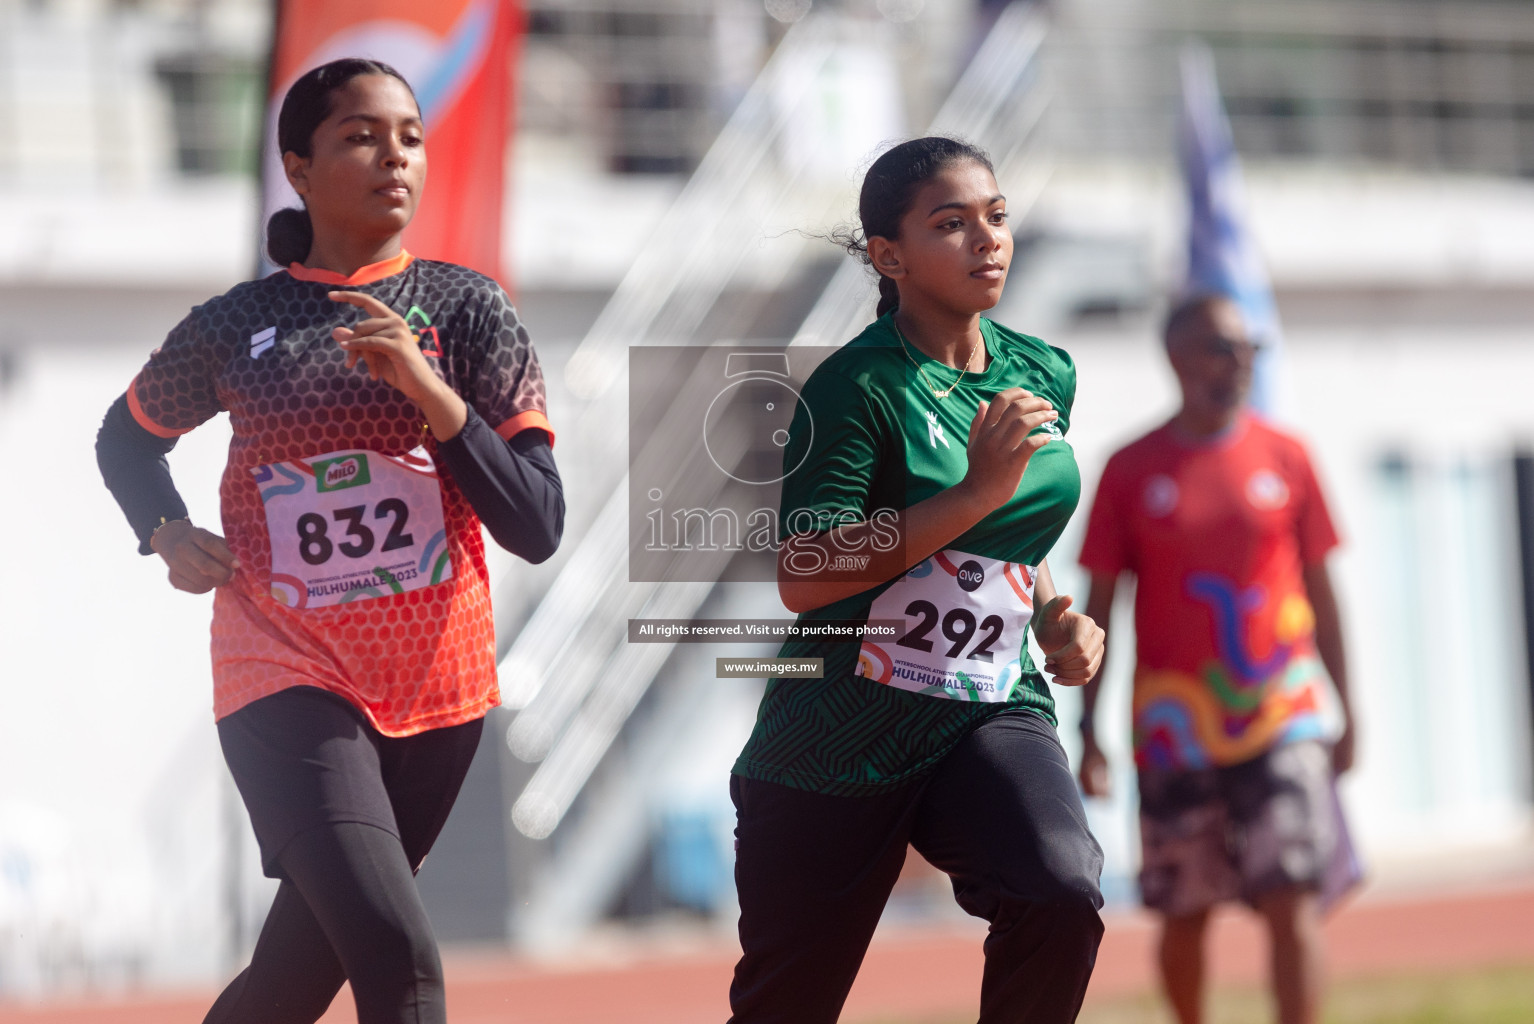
x=965, y=620
x=353, y=525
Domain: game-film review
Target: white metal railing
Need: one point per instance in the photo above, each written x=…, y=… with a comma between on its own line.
x=693, y=255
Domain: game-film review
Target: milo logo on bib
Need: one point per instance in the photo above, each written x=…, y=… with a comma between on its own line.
x=339, y=474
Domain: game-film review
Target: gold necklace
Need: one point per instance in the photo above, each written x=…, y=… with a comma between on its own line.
x=935, y=392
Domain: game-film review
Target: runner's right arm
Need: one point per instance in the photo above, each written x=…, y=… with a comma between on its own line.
x=133, y=465
x=132, y=462
x=171, y=395
x=999, y=448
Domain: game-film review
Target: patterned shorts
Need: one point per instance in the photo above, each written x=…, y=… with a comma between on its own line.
x=1218, y=834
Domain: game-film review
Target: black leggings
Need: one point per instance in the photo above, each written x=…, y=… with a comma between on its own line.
x=344, y=817
x=1000, y=815
x=348, y=910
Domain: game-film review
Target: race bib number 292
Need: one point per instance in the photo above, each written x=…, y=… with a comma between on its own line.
x=352, y=525
x=964, y=625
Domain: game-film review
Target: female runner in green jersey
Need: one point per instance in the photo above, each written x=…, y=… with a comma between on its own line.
x=932, y=479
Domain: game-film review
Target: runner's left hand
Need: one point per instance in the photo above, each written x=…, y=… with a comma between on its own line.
x=1071, y=642
x=388, y=346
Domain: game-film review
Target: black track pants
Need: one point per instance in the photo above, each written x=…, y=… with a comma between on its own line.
x=1000, y=815
x=344, y=816
x=348, y=910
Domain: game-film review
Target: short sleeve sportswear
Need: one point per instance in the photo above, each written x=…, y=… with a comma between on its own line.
x=1217, y=534
x=263, y=352
x=870, y=435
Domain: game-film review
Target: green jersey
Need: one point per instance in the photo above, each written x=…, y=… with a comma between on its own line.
x=871, y=437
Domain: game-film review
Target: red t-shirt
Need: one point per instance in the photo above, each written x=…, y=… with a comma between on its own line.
x=419, y=652
x=1217, y=533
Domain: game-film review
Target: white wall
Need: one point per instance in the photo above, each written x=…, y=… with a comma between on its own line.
x=106, y=742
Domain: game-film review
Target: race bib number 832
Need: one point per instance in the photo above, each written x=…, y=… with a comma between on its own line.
x=353, y=525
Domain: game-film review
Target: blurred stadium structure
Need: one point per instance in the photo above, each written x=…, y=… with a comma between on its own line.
x=675, y=162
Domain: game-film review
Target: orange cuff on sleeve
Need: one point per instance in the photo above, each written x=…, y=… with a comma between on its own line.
x=532, y=419
x=143, y=417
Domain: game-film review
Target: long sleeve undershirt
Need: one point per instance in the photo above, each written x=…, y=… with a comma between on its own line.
x=132, y=462
x=513, y=486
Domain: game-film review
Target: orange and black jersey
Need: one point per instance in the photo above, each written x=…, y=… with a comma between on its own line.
x=263, y=352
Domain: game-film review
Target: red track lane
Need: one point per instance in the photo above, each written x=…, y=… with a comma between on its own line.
x=913, y=973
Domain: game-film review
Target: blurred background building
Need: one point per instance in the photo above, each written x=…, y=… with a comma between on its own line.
x=675, y=165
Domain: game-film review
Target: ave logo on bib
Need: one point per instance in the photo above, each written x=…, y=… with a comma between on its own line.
x=965, y=622
x=353, y=525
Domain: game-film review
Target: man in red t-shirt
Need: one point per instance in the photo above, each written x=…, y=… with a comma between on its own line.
x=1223, y=524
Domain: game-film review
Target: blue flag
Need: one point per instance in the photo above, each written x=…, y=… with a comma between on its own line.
x=1222, y=254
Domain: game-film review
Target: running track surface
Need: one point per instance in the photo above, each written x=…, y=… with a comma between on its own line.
x=930, y=972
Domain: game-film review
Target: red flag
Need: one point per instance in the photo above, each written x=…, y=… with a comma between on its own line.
x=457, y=55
